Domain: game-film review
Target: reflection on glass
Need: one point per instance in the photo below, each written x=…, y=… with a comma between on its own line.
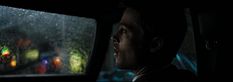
x=34, y=42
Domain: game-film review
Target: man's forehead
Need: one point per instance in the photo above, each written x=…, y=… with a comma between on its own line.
x=130, y=17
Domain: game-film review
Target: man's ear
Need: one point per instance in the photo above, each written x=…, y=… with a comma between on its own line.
x=156, y=44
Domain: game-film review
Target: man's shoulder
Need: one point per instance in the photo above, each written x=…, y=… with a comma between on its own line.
x=169, y=74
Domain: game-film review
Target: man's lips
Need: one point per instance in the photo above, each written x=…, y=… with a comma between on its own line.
x=116, y=47
x=115, y=41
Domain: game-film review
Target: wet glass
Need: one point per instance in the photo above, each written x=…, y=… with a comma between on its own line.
x=42, y=43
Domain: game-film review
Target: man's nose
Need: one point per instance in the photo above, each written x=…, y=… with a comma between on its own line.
x=115, y=37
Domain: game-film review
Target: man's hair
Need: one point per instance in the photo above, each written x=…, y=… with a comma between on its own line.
x=166, y=23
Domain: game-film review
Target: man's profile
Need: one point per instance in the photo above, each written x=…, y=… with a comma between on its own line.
x=146, y=41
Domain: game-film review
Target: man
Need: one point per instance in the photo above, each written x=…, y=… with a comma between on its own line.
x=146, y=41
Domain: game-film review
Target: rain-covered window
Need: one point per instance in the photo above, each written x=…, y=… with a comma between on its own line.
x=35, y=42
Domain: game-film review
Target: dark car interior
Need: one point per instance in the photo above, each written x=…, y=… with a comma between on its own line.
x=203, y=52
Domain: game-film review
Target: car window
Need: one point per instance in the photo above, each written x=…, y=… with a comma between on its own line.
x=36, y=42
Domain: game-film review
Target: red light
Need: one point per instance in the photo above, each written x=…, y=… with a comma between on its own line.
x=41, y=69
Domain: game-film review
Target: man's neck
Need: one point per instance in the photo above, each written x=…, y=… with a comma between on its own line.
x=144, y=69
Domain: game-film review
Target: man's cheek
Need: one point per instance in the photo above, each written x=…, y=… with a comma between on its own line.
x=123, y=45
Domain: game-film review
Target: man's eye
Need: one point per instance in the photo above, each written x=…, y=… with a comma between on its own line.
x=124, y=31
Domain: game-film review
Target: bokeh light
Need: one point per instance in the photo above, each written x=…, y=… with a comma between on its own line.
x=5, y=51
x=41, y=69
x=13, y=63
x=44, y=61
x=5, y=55
x=77, y=62
x=32, y=54
x=57, y=63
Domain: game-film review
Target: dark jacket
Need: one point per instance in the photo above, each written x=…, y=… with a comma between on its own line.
x=170, y=73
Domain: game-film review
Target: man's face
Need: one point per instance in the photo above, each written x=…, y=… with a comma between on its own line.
x=127, y=40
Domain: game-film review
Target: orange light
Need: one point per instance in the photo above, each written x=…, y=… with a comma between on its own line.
x=57, y=62
x=13, y=63
x=5, y=53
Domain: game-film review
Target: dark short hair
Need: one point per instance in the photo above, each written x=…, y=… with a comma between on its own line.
x=167, y=23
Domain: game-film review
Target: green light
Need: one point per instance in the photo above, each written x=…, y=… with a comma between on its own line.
x=77, y=62
x=5, y=51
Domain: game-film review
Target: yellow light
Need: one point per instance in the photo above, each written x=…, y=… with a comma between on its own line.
x=77, y=62
x=6, y=53
x=13, y=63
x=32, y=54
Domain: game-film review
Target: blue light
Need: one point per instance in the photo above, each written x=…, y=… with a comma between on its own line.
x=180, y=61
x=183, y=59
x=45, y=61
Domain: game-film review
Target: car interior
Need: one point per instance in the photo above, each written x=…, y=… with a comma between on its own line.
x=67, y=40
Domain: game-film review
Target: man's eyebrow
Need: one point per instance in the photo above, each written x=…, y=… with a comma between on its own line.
x=129, y=26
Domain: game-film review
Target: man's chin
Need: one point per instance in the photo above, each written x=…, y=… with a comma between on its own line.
x=120, y=65
x=123, y=66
